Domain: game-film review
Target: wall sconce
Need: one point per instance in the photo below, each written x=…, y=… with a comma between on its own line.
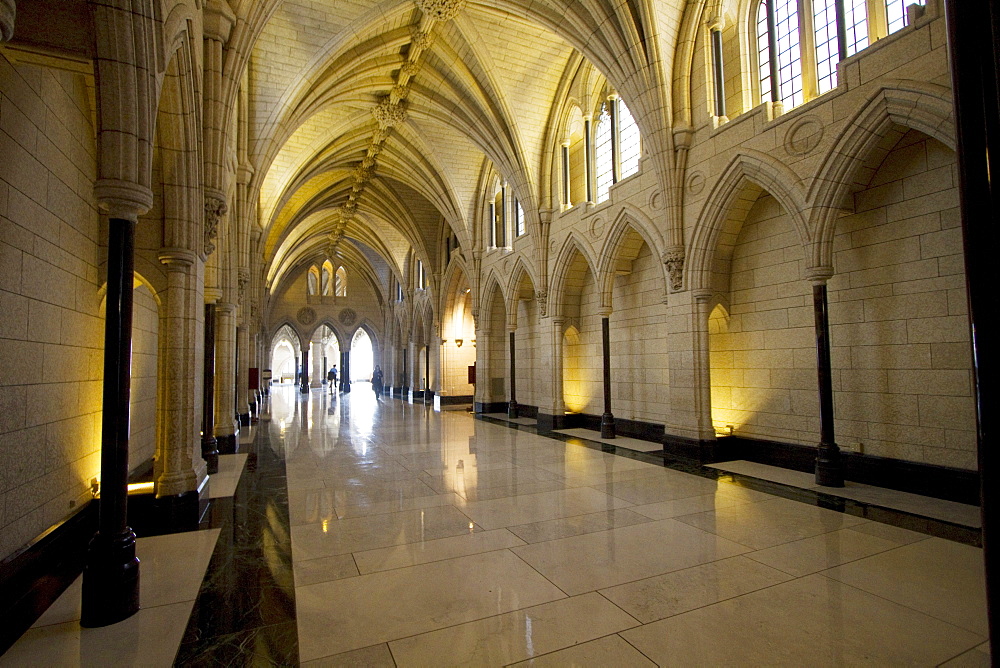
x=473, y=343
x=458, y=342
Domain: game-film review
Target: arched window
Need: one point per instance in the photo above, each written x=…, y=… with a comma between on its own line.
x=784, y=42
x=312, y=281
x=518, y=218
x=327, y=279
x=340, y=282
x=604, y=159
x=629, y=140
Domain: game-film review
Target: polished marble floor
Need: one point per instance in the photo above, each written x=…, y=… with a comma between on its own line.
x=389, y=534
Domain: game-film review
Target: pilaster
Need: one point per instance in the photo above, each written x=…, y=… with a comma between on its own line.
x=225, y=377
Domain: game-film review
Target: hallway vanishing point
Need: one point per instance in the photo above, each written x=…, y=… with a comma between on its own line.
x=411, y=536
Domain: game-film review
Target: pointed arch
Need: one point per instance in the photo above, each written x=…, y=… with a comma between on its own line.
x=852, y=160
x=748, y=174
x=572, y=245
x=517, y=290
x=617, y=248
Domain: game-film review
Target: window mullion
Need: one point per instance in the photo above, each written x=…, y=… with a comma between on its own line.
x=772, y=47
x=807, y=50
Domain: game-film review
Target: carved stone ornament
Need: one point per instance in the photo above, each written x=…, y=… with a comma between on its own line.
x=388, y=115
x=409, y=69
x=421, y=40
x=674, y=259
x=7, y=12
x=441, y=10
x=542, y=297
x=214, y=210
x=242, y=280
x=347, y=317
x=306, y=315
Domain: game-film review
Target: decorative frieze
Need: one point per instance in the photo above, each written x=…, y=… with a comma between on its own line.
x=215, y=209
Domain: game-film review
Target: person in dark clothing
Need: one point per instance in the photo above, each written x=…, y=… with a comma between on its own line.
x=377, y=381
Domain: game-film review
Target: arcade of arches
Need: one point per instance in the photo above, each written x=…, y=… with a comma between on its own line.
x=573, y=217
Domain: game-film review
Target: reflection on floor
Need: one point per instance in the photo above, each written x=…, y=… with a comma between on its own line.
x=420, y=537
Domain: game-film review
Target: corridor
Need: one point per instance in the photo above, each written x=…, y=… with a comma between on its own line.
x=415, y=537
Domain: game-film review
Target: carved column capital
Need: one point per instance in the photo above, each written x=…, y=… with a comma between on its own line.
x=440, y=10
x=122, y=199
x=176, y=258
x=542, y=297
x=819, y=275
x=674, y=259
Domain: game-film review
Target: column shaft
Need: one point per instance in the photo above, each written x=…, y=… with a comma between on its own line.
x=304, y=373
x=318, y=373
x=243, y=356
x=111, y=575
x=225, y=378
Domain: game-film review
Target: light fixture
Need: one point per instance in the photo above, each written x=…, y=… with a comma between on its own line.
x=458, y=342
x=473, y=343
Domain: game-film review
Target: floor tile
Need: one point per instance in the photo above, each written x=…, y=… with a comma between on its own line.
x=618, y=441
x=148, y=638
x=528, y=508
x=680, y=591
x=760, y=525
x=514, y=636
x=607, y=651
x=353, y=534
x=537, y=532
x=659, y=488
x=723, y=497
x=342, y=615
x=817, y=553
x=376, y=656
x=811, y=621
x=435, y=550
x=938, y=577
x=597, y=560
x=324, y=569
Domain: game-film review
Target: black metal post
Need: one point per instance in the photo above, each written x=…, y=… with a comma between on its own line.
x=512, y=405
x=428, y=396
x=346, y=383
x=111, y=574
x=829, y=471
x=209, y=444
x=304, y=376
x=772, y=50
x=973, y=34
x=607, y=420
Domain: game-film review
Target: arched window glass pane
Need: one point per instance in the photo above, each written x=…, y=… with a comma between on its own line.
x=312, y=281
x=519, y=219
x=630, y=146
x=856, y=15
x=895, y=13
x=603, y=157
x=327, y=279
x=827, y=56
x=786, y=20
x=341, y=282
x=763, y=53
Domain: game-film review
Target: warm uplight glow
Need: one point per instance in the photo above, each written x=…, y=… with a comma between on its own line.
x=326, y=526
x=141, y=487
x=458, y=342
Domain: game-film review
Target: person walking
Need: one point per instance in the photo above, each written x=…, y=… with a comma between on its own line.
x=377, y=382
x=331, y=377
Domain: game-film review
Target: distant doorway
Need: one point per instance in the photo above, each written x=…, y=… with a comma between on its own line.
x=362, y=357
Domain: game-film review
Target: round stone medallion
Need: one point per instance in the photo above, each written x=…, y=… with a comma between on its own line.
x=696, y=183
x=347, y=317
x=804, y=136
x=306, y=315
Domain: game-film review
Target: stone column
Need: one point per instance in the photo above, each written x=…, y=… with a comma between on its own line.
x=481, y=390
x=829, y=470
x=243, y=356
x=179, y=463
x=7, y=13
x=552, y=408
x=405, y=389
x=318, y=372
x=512, y=404
x=225, y=379
x=111, y=575
x=346, y=385
x=607, y=419
x=688, y=419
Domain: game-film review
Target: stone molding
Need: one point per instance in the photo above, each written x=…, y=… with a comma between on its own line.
x=123, y=199
x=215, y=209
x=176, y=258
